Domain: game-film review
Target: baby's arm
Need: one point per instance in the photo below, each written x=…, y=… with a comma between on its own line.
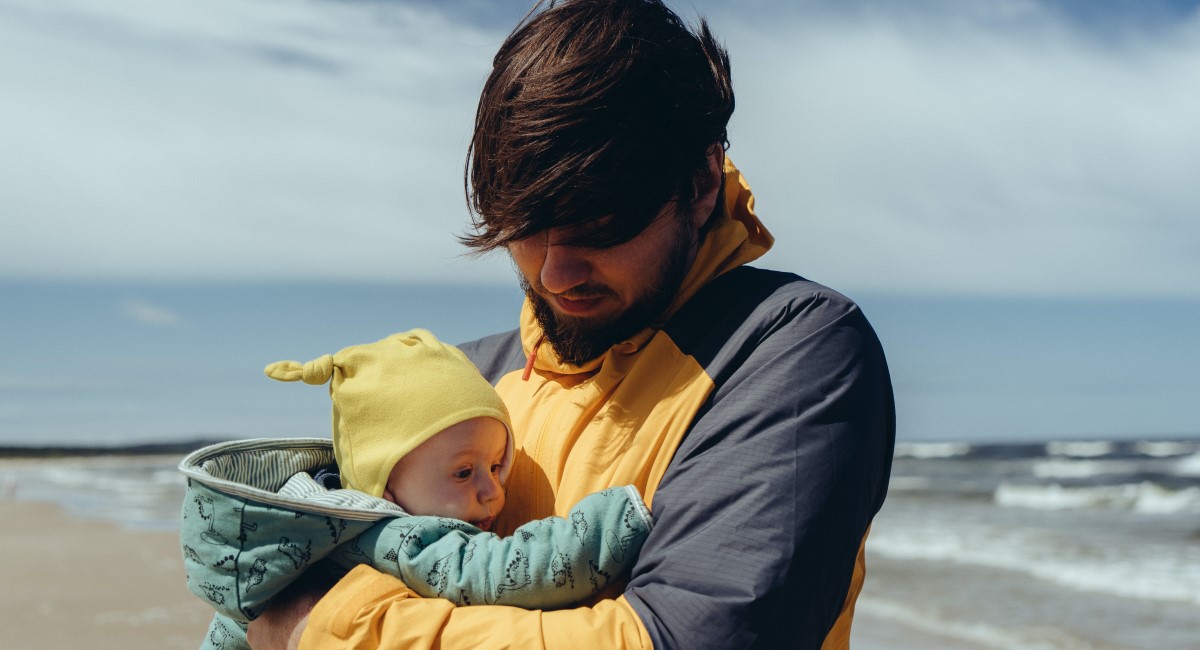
x=545, y=564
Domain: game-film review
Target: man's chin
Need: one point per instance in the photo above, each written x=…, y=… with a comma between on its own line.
x=576, y=339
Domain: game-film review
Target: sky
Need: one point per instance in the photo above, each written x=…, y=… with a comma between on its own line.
x=998, y=147
x=190, y=190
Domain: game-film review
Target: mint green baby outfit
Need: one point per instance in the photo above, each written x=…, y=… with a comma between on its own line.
x=254, y=521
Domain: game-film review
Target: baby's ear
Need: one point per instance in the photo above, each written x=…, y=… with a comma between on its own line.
x=317, y=371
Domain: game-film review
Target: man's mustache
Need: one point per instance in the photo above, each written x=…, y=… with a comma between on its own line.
x=581, y=292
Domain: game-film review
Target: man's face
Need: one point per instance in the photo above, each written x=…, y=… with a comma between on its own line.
x=587, y=299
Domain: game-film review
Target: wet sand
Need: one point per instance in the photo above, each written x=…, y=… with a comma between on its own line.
x=75, y=583
x=85, y=581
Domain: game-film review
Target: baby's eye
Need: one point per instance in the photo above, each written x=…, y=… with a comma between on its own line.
x=496, y=468
x=463, y=473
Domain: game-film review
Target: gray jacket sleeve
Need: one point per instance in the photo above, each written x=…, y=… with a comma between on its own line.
x=544, y=564
x=787, y=462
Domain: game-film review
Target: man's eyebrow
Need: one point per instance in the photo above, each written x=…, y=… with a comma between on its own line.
x=585, y=229
x=603, y=236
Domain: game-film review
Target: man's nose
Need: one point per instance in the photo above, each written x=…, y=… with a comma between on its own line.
x=563, y=268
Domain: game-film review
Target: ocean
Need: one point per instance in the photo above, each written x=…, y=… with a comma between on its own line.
x=992, y=536
x=110, y=364
x=1057, y=545
x=115, y=364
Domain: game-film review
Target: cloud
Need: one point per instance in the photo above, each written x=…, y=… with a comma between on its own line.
x=235, y=139
x=146, y=313
x=974, y=150
x=943, y=147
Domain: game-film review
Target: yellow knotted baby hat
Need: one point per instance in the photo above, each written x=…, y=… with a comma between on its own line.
x=392, y=395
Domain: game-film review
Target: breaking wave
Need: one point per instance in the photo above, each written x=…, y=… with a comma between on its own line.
x=1144, y=497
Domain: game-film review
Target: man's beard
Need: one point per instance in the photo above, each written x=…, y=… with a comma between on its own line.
x=577, y=340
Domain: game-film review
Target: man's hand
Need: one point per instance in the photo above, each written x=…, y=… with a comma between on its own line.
x=280, y=627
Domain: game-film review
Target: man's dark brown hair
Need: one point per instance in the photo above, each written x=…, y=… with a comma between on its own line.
x=594, y=109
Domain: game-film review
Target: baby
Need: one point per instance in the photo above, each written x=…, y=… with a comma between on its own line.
x=415, y=423
x=422, y=447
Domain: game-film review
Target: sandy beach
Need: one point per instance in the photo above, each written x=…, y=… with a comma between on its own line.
x=76, y=583
x=90, y=558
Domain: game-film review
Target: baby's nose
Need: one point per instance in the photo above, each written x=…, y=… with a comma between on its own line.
x=490, y=490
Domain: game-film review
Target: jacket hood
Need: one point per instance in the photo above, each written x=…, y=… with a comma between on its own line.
x=733, y=238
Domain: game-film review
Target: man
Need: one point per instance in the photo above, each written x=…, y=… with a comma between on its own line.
x=752, y=408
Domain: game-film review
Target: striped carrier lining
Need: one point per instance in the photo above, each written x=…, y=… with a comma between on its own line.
x=274, y=471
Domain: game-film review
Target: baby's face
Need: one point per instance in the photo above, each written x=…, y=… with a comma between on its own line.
x=456, y=473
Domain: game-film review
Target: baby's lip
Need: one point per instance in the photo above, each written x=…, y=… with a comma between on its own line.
x=483, y=524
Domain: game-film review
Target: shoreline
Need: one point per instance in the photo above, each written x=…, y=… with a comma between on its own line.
x=57, y=452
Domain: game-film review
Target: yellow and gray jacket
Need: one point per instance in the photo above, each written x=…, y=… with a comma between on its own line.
x=254, y=521
x=758, y=422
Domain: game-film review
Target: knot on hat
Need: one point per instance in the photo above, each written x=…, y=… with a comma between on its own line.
x=315, y=372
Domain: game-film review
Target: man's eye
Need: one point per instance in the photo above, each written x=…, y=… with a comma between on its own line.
x=463, y=473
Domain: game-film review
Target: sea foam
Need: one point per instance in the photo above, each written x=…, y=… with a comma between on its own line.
x=1153, y=572
x=931, y=449
x=1080, y=449
x=1070, y=468
x=1144, y=497
x=1163, y=448
x=1188, y=466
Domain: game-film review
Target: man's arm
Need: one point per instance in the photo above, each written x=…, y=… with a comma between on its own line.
x=282, y=624
x=767, y=501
